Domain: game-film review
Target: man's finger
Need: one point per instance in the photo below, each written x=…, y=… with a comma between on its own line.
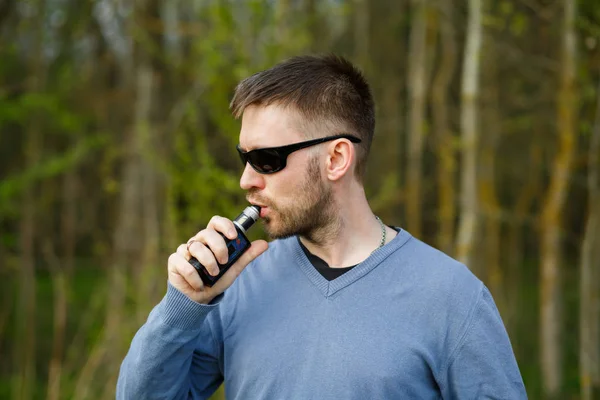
x=183, y=251
x=185, y=270
x=223, y=225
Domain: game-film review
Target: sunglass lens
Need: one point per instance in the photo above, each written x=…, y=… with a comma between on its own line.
x=265, y=161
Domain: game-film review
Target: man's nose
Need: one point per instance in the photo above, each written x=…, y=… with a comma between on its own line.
x=251, y=179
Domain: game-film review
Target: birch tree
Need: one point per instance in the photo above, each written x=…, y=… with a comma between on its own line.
x=490, y=206
x=589, y=303
x=551, y=225
x=416, y=119
x=469, y=136
x=444, y=139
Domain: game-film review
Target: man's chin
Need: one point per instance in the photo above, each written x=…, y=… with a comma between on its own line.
x=275, y=234
x=271, y=229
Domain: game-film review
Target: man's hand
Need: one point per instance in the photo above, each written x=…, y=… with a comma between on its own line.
x=209, y=248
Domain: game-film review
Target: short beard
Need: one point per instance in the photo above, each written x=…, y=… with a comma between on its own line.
x=312, y=216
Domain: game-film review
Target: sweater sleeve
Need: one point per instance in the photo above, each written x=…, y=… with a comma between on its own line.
x=174, y=354
x=483, y=365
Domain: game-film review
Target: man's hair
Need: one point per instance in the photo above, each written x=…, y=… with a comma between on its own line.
x=330, y=94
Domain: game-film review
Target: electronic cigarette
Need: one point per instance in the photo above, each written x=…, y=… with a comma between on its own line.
x=236, y=247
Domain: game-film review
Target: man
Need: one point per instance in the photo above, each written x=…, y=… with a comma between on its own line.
x=339, y=306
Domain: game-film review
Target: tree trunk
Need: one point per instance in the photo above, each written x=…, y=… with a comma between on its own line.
x=361, y=33
x=416, y=119
x=490, y=205
x=127, y=237
x=589, y=309
x=551, y=213
x=469, y=136
x=171, y=38
x=145, y=272
x=315, y=24
x=61, y=275
x=7, y=297
x=26, y=319
x=59, y=290
x=25, y=341
x=446, y=166
x=520, y=222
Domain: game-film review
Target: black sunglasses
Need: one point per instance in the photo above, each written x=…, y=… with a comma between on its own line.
x=272, y=159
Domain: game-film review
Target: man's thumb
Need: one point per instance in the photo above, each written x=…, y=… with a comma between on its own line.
x=256, y=249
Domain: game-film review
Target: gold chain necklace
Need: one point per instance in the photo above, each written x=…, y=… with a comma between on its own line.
x=383, y=232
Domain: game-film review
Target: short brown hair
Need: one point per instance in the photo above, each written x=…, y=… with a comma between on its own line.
x=326, y=88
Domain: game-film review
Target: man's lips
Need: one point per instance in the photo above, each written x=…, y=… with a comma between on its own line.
x=263, y=211
x=263, y=208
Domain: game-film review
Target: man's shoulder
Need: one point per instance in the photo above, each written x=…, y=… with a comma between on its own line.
x=443, y=288
x=435, y=273
x=433, y=262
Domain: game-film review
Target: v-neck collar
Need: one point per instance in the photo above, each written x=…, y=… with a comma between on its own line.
x=328, y=288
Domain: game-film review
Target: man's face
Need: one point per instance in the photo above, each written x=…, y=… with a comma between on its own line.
x=296, y=200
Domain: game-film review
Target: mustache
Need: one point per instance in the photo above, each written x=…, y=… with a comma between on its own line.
x=253, y=197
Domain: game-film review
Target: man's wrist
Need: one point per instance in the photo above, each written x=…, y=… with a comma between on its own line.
x=205, y=301
x=179, y=311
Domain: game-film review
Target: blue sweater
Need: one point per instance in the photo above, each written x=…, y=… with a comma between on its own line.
x=407, y=323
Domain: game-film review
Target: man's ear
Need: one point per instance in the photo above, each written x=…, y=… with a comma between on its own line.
x=340, y=158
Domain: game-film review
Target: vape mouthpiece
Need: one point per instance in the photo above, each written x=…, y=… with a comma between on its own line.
x=247, y=218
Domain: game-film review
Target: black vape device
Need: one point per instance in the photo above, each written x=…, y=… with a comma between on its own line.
x=236, y=247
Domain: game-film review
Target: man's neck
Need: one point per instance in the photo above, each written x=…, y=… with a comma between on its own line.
x=354, y=235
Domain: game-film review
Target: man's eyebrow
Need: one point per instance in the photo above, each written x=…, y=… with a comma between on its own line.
x=246, y=149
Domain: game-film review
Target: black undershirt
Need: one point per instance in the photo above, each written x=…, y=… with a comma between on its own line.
x=321, y=266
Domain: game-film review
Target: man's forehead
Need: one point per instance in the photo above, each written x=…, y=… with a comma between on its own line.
x=269, y=126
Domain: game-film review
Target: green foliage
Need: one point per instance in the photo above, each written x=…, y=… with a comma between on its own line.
x=46, y=106
x=11, y=187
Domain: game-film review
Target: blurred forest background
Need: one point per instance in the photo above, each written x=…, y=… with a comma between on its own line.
x=117, y=145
